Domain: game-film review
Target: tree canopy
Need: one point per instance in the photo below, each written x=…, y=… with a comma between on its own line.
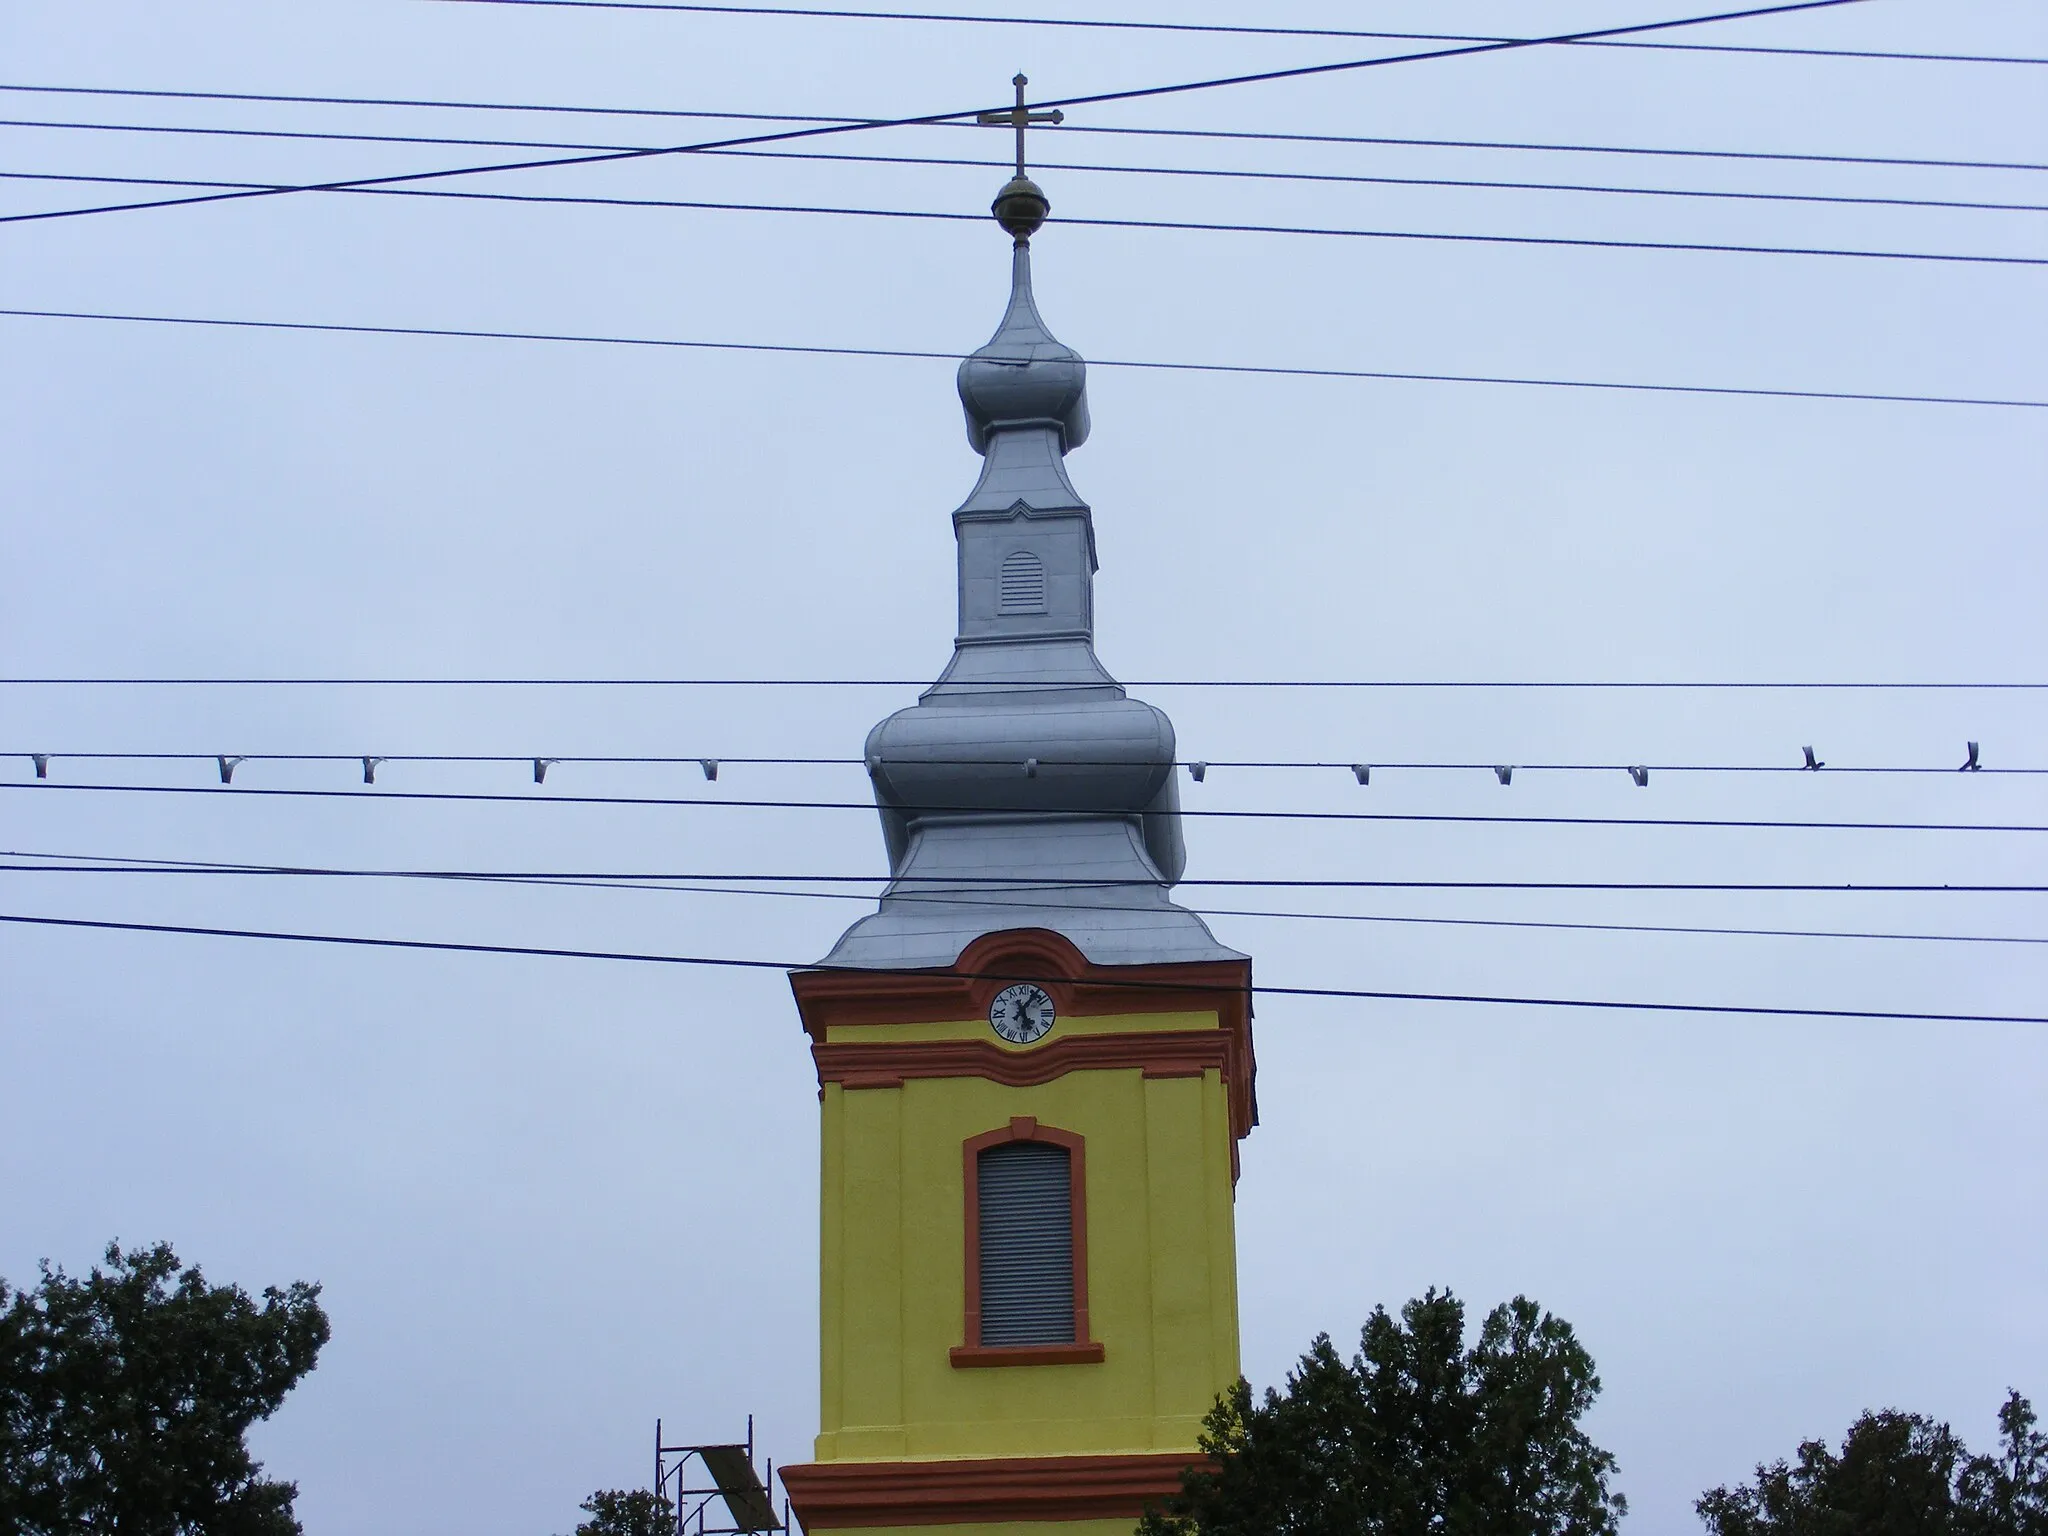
x=1897, y=1474
x=1416, y=1434
x=125, y=1398
x=620, y=1512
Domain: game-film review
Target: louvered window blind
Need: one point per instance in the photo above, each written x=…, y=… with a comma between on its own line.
x=1023, y=584
x=1027, y=1244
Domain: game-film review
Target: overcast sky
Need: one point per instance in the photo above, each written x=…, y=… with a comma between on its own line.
x=550, y=1200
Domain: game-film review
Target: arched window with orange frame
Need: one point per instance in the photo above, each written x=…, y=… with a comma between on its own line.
x=1026, y=1233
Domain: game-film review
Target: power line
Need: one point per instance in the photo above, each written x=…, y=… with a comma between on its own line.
x=1240, y=31
x=436, y=140
x=711, y=763
x=1242, y=135
x=1425, y=818
x=1026, y=685
x=548, y=798
x=997, y=885
x=205, y=867
x=1096, y=99
x=1098, y=362
x=1200, y=227
x=1179, y=225
x=1318, y=177
x=1122, y=984
x=1066, y=130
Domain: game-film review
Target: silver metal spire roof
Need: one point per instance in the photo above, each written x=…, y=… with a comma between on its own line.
x=1024, y=376
x=1024, y=789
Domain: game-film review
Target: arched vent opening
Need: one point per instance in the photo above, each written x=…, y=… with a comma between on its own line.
x=1022, y=587
x=1027, y=1243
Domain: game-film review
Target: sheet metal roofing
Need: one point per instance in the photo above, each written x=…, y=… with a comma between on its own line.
x=1025, y=789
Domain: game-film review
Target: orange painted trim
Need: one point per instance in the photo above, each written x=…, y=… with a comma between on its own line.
x=889, y=1063
x=1080, y=989
x=850, y=1494
x=975, y=1356
x=1081, y=1349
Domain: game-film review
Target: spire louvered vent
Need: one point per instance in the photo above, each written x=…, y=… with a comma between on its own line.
x=1023, y=584
x=1027, y=1243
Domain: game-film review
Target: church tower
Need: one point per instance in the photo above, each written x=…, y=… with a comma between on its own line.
x=1034, y=1067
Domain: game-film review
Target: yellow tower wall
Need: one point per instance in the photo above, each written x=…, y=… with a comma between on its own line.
x=921, y=1428
x=1161, y=1257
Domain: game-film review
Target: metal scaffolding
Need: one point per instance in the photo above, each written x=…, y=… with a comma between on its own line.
x=747, y=1496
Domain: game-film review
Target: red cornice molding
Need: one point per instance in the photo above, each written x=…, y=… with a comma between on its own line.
x=1162, y=1053
x=1079, y=988
x=964, y=989
x=835, y=1495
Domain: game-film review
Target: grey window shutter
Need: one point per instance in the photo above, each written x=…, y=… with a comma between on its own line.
x=1027, y=1244
x=1022, y=586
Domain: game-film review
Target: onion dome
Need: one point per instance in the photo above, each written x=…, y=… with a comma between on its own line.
x=1024, y=377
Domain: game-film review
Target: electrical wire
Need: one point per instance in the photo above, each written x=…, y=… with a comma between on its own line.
x=544, y=797
x=43, y=759
x=1815, y=198
x=1025, y=685
x=1237, y=31
x=1067, y=129
x=1177, y=225
x=999, y=884
x=1275, y=137
x=1096, y=99
x=1260, y=370
x=1126, y=984
x=1200, y=227
x=1330, y=178
x=208, y=866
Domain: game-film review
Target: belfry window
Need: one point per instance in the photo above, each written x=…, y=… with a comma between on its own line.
x=1021, y=588
x=1027, y=1248
x=1027, y=1244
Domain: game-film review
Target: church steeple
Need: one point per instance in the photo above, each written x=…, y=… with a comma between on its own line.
x=1033, y=1067
x=1025, y=789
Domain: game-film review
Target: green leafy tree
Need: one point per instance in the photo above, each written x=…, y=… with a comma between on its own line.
x=2009, y=1492
x=615, y=1512
x=125, y=1397
x=1417, y=1434
x=1897, y=1474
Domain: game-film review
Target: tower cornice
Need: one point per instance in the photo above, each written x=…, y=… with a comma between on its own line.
x=839, y=1006
x=830, y=1496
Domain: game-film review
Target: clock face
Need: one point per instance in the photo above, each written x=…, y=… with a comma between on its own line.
x=1021, y=1014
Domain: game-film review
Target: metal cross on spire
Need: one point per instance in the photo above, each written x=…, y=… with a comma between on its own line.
x=1020, y=118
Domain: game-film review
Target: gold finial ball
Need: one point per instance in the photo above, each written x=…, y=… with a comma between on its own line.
x=1021, y=208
